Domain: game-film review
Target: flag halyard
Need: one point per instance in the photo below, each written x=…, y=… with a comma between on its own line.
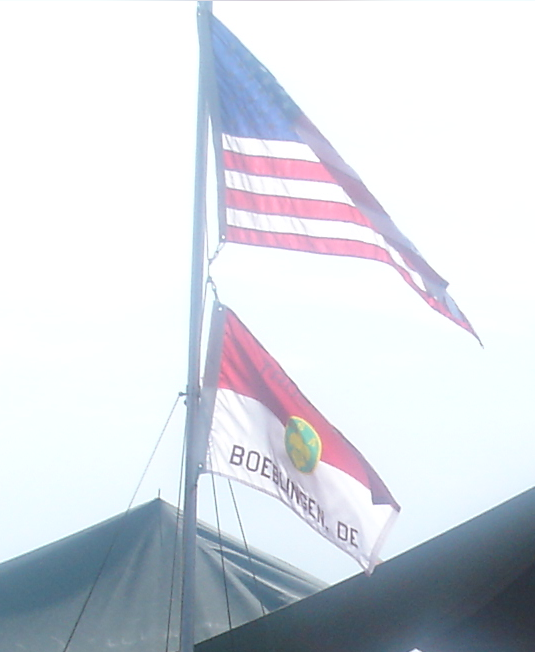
x=266, y=434
x=286, y=187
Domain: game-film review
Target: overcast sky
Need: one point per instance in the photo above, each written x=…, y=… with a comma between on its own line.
x=430, y=102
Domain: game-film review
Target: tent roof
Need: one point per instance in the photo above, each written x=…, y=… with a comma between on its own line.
x=42, y=592
x=471, y=589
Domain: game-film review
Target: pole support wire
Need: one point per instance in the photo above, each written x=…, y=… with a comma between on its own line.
x=221, y=554
x=232, y=644
x=119, y=527
x=249, y=557
x=175, y=551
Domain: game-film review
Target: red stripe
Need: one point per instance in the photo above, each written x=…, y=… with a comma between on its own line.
x=353, y=186
x=311, y=244
x=362, y=197
x=268, y=166
x=339, y=247
x=315, y=209
x=249, y=370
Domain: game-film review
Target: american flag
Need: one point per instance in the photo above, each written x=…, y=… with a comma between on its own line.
x=285, y=186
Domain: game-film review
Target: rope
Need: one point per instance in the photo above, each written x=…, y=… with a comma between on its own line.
x=175, y=552
x=263, y=624
x=119, y=528
x=221, y=554
x=179, y=396
x=249, y=557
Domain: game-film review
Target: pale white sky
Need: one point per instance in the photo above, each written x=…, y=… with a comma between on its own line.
x=430, y=102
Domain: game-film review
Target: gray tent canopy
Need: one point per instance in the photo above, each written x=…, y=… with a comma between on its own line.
x=42, y=592
x=471, y=589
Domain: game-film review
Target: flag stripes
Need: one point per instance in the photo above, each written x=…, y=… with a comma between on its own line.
x=286, y=187
x=272, y=202
x=294, y=207
x=281, y=178
x=294, y=212
x=285, y=224
x=279, y=168
x=339, y=247
x=281, y=149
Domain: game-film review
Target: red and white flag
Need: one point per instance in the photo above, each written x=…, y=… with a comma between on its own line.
x=266, y=434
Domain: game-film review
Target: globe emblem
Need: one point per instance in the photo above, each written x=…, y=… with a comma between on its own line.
x=303, y=444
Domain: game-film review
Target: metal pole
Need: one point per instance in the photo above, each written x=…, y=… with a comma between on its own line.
x=189, y=526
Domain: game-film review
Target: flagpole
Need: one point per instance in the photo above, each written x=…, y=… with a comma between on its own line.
x=189, y=526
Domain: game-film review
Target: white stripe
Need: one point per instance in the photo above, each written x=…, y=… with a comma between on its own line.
x=297, y=188
x=304, y=226
x=325, y=150
x=314, y=189
x=317, y=229
x=286, y=149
